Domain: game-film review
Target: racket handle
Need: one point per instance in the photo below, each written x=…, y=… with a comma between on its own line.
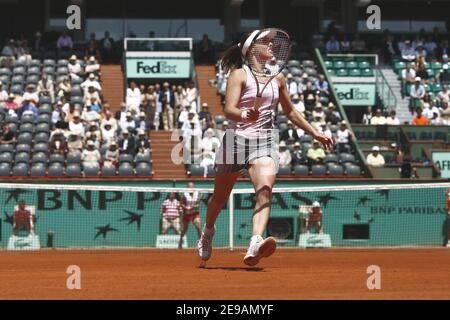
x=258, y=102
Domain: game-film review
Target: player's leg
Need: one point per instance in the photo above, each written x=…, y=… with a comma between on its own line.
x=184, y=228
x=196, y=223
x=223, y=184
x=262, y=174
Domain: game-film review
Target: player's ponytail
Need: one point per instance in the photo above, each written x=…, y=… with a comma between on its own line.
x=232, y=58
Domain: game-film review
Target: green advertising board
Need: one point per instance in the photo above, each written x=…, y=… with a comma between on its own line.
x=94, y=218
x=442, y=160
x=155, y=68
x=355, y=94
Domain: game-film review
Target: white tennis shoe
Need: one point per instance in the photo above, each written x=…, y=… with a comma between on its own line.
x=259, y=248
x=204, y=245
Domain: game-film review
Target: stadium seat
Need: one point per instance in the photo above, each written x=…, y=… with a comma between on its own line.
x=354, y=73
x=125, y=158
x=335, y=170
x=39, y=157
x=35, y=63
x=426, y=136
x=12, y=119
x=6, y=148
x=5, y=169
x=211, y=172
x=74, y=157
x=196, y=170
x=50, y=70
x=43, y=127
x=352, y=170
x=76, y=91
x=63, y=63
x=284, y=171
x=295, y=71
x=40, y=147
x=328, y=64
x=55, y=170
x=308, y=64
x=318, y=170
x=91, y=171
x=219, y=119
x=35, y=71
x=62, y=71
x=5, y=71
x=339, y=65
x=56, y=158
x=6, y=157
x=363, y=65
x=27, y=119
x=293, y=63
x=38, y=170
x=20, y=170
x=17, y=89
x=341, y=72
x=301, y=170
x=25, y=137
x=22, y=157
x=76, y=99
x=23, y=148
x=305, y=147
x=45, y=109
x=20, y=70
x=126, y=170
x=45, y=100
x=41, y=137
x=306, y=138
x=142, y=157
x=108, y=171
x=26, y=127
x=331, y=158
x=143, y=169
x=346, y=157
x=351, y=65
x=44, y=118
x=73, y=170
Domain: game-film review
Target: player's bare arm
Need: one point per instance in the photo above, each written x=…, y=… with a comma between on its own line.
x=235, y=83
x=296, y=117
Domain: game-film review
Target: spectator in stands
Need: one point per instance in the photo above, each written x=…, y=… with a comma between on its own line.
x=315, y=154
x=58, y=143
x=95, y=105
x=28, y=108
x=108, y=118
x=142, y=143
x=417, y=94
x=3, y=95
x=184, y=114
x=208, y=158
x=142, y=122
x=92, y=66
x=74, y=143
x=192, y=95
x=378, y=119
x=332, y=115
x=108, y=133
x=107, y=48
x=343, y=137
x=90, y=94
x=37, y=46
x=45, y=87
x=375, y=159
x=61, y=122
x=444, y=113
x=159, y=110
x=72, y=111
x=74, y=67
x=149, y=106
x=431, y=112
x=444, y=76
x=31, y=94
x=75, y=125
x=332, y=45
x=431, y=46
x=111, y=155
x=345, y=44
x=297, y=154
x=408, y=77
x=322, y=86
x=318, y=111
x=444, y=94
x=128, y=124
x=298, y=104
x=324, y=129
x=90, y=157
x=310, y=99
x=421, y=52
x=358, y=45
x=392, y=119
x=443, y=49
x=303, y=83
x=167, y=100
x=205, y=50
x=192, y=137
x=64, y=88
x=121, y=114
x=420, y=68
x=179, y=103
x=316, y=122
x=126, y=143
x=22, y=219
x=205, y=117
x=7, y=135
x=10, y=104
x=291, y=84
x=92, y=50
x=91, y=82
x=388, y=48
x=89, y=115
x=420, y=119
x=133, y=98
x=284, y=155
x=64, y=43
x=170, y=211
x=289, y=135
x=408, y=53
x=8, y=54
x=209, y=141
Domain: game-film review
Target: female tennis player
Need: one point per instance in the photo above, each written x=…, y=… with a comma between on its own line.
x=250, y=142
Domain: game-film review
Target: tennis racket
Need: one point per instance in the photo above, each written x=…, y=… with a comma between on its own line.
x=267, y=56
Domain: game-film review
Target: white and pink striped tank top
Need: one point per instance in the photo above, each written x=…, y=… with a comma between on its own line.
x=266, y=119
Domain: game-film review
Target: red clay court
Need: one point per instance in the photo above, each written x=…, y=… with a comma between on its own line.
x=166, y=274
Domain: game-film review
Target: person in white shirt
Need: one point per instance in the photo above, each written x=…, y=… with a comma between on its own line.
x=209, y=141
x=378, y=119
x=392, y=119
x=367, y=117
x=208, y=160
x=92, y=66
x=325, y=130
x=417, y=93
x=408, y=76
x=108, y=133
x=430, y=111
x=291, y=84
x=133, y=98
x=46, y=88
x=192, y=95
x=343, y=136
x=3, y=94
x=76, y=126
x=128, y=124
x=408, y=53
x=74, y=67
x=430, y=45
x=184, y=115
x=31, y=94
x=298, y=104
x=91, y=81
x=89, y=115
x=57, y=112
x=445, y=93
x=90, y=156
x=375, y=159
x=285, y=155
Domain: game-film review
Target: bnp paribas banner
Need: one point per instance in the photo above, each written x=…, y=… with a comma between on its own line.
x=95, y=218
x=151, y=67
x=355, y=94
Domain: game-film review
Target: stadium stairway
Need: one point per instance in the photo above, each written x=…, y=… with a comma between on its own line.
x=163, y=165
x=113, y=85
x=208, y=93
x=402, y=108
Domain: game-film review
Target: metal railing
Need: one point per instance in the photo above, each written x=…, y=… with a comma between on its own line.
x=385, y=91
